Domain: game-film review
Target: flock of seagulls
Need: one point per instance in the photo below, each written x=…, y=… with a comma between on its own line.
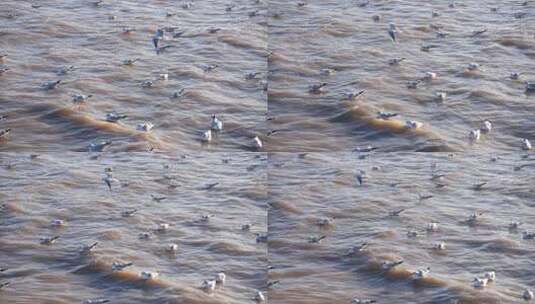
x=161, y=35
x=472, y=68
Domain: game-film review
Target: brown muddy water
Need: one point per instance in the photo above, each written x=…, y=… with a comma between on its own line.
x=252, y=64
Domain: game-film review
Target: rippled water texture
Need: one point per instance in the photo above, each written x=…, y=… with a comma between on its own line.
x=296, y=179
x=41, y=41
x=34, y=192
x=344, y=38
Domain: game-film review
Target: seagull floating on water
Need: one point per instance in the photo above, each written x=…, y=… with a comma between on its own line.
x=145, y=126
x=486, y=127
x=148, y=275
x=216, y=124
x=49, y=240
x=57, y=223
x=171, y=248
x=118, y=266
x=420, y=273
x=259, y=297
x=220, y=278
x=115, y=117
x=51, y=85
x=472, y=66
x=396, y=61
x=388, y=265
x=317, y=88
x=528, y=295
x=208, y=285
x=207, y=136
x=354, y=94
x=413, y=84
x=412, y=124
x=527, y=235
x=439, y=246
x=480, y=282
x=88, y=249
x=514, y=225
x=96, y=301
x=432, y=227
x=526, y=145
x=392, y=31
x=386, y=115
x=79, y=98
x=130, y=61
x=359, y=301
x=474, y=135
x=4, y=133
x=257, y=143
x=98, y=146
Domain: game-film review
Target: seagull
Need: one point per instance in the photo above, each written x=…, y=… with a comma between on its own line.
x=413, y=84
x=474, y=217
x=396, y=61
x=474, y=135
x=376, y=18
x=478, y=32
x=157, y=198
x=130, y=61
x=432, y=227
x=261, y=238
x=144, y=236
x=392, y=31
x=472, y=66
x=178, y=93
x=147, y=84
x=79, y=98
x=148, y=275
x=387, y=265
x=162, y=227
x=159, y=35
x=96, y=301
x=526, y=235
x=109, y=180
x=3, y=69
x=491, y=276
x=515, y=75
x=118, y=266
x=187, y=5
x=49, y=240
x=412, y=234
x=207, y=136
x=246, y=227
x=220, y=278
x=163, y=76
x=360, y=177
x=214, y=30
x=216, y=124
x=430, y=76
x=486, y=126
x=51, y=85
x=353, y=95
x=359, y=301
x=530, y=86
x=396, y=212
x=4, y=285
x=259, y=297
x=251, y=75
x=87, y=249
x=323, y=222
x=386, y=115
x=427, y=48
x=115, y=117
x=128, y=30
x=317, y=88
x=171, y=247
x=98, y=146
x=257, y=143
x=359, y=248
x=65, y=70
x=210, y=68
x=479, y=186
x=412, y=124
x=526, y=145
x=57, y=223
x=514, y=225
x=145, y=126
x=439, y=246
x=421, y=273
x=4, y=133
x=528, y=295
x=480, y=283
x=208, y=285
